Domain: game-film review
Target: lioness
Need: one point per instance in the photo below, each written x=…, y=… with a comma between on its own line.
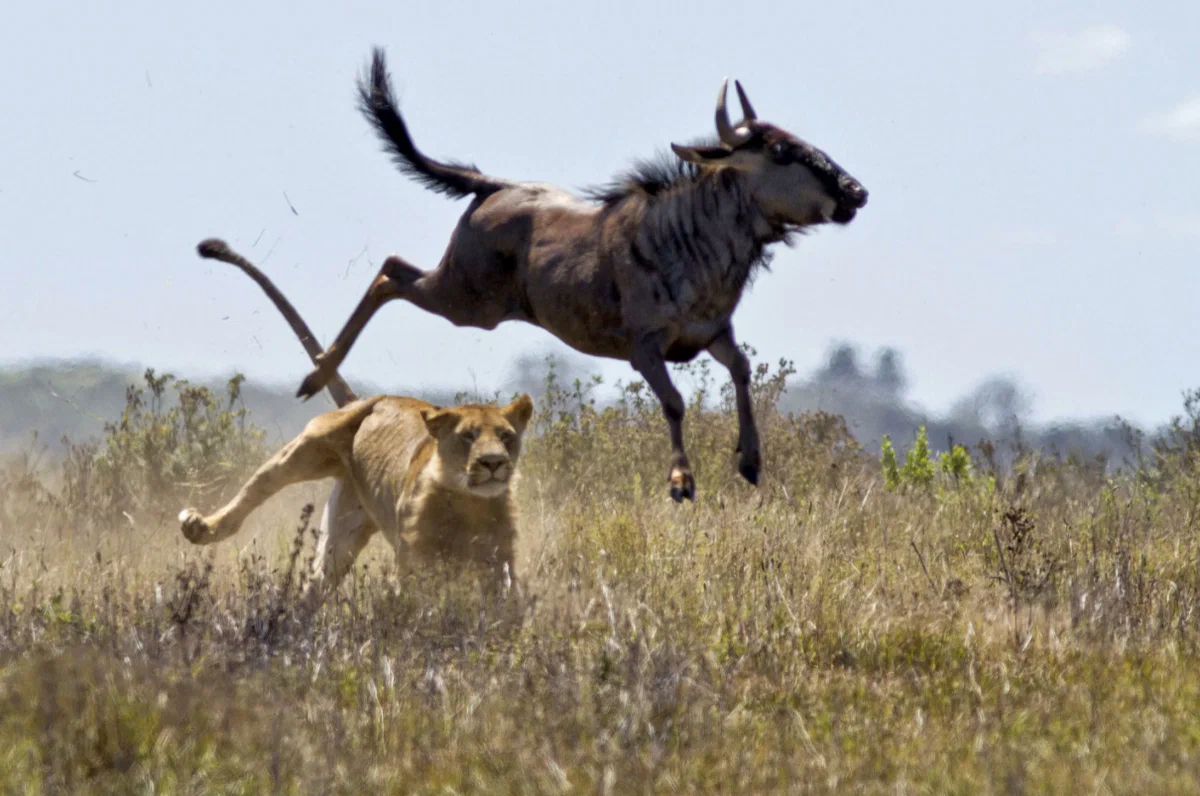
x=435, y=480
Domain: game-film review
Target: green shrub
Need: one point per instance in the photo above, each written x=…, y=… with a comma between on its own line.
x=156, y=458
x=918, y=464
x=956, y=463
x=891, y=468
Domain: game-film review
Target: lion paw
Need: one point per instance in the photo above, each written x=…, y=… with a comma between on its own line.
x=194, y=528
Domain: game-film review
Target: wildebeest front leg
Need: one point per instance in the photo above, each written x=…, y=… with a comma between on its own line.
x=648, y=360
x=395, y=280
x=724, y=349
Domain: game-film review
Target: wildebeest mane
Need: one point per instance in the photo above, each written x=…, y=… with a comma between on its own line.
x=649, y=177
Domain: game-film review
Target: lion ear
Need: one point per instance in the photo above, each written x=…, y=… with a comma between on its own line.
x=439, y=421
x=518, y=412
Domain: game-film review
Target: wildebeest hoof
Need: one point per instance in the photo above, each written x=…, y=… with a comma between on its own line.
x=312, y=384
x=682, y=486
x=749, y=466
x=194, y=528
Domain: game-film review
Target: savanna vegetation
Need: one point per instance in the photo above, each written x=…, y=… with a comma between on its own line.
x=921, y=621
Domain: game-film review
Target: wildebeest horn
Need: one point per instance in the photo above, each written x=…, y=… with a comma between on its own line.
x=747, y=108
x=730, y=137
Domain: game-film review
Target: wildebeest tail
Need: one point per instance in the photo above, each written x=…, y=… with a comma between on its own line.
x=379, y=106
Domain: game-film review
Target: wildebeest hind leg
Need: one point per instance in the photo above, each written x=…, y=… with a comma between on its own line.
x=395, y=280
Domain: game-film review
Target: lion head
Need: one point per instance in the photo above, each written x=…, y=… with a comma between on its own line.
x=478, y=444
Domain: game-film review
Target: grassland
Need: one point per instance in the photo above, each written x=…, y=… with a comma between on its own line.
x=937, y=626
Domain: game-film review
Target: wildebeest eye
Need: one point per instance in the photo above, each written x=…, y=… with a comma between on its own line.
x=781, y=152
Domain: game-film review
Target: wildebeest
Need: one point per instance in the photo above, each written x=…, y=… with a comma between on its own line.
x=648, y=269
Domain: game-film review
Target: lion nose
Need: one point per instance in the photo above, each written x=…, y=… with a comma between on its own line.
x=493, y=461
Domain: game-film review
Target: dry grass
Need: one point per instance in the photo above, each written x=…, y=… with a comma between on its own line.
x=1034, y=631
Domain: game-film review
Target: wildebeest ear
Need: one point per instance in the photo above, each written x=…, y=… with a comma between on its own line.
x=518, y=412
x=439, y=421
x=700, y=154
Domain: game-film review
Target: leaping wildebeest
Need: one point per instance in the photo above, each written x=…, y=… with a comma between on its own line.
x=648, y=269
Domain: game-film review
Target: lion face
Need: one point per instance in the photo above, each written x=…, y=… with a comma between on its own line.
x=478, y=445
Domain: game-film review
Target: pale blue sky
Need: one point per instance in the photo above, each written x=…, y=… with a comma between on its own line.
x=1034, y=172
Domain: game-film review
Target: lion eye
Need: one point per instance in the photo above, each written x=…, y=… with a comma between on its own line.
x=469, y=435
x=507, y=436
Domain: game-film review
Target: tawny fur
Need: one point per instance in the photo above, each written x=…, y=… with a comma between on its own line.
x=436, y=481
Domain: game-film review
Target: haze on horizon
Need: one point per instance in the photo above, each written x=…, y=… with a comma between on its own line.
x=1032, y=171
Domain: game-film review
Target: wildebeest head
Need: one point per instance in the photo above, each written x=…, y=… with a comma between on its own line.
x=794, y=183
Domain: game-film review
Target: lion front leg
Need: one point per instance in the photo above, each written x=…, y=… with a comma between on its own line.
x=303, y=459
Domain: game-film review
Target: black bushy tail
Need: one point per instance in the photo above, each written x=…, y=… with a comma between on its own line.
x=379, y=106
x=216, y=249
